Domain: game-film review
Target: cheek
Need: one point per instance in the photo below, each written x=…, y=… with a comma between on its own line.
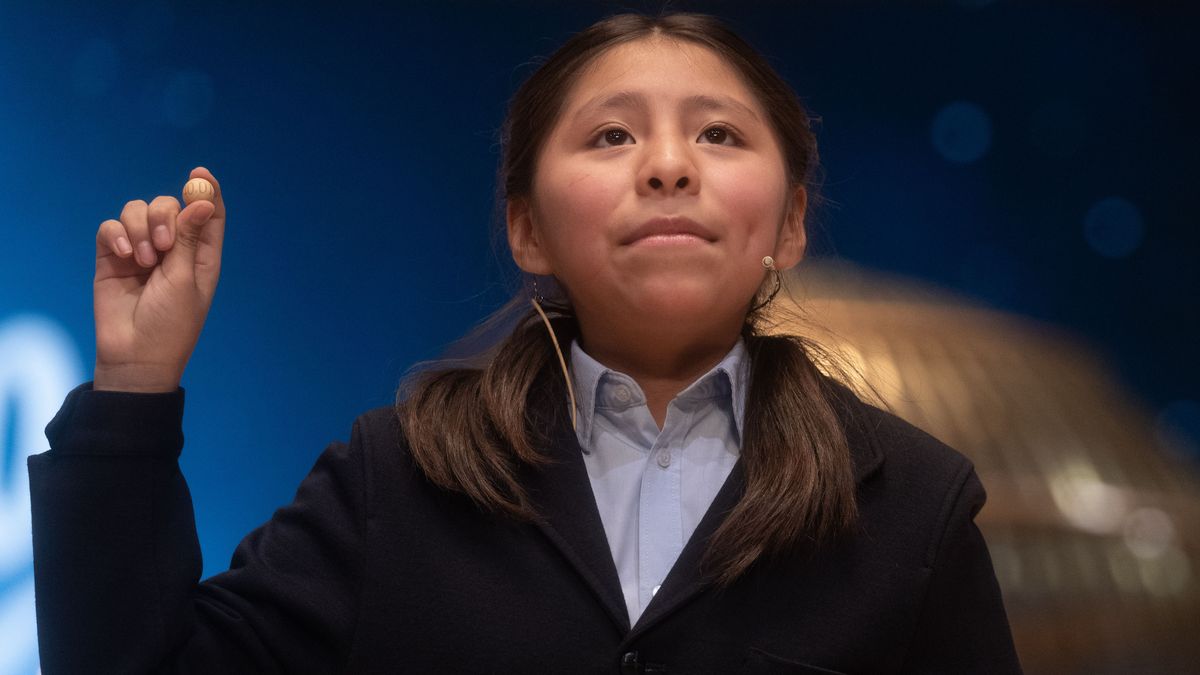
x=573, y=208
x=752, y=200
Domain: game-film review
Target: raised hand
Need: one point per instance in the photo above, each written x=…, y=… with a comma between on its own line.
x=156, y=273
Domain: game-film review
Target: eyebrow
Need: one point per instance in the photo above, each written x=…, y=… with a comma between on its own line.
x=625, y=100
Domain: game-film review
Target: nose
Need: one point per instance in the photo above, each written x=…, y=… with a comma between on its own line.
x=667, y=169
x=656, y=182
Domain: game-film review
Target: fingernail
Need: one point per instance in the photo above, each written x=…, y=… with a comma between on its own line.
x=146, y=254
x=162, y=239
x=123, y=246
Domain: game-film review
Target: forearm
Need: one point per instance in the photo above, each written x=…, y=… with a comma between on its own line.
x=117, y=562
x=115, y=550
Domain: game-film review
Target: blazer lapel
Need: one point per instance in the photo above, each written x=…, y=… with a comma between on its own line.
x=685, y=581
x=562, y=494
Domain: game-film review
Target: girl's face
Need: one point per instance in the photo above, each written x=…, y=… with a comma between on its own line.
x=658, y=191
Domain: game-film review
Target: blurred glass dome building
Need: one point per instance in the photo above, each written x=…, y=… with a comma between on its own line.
x=1093, y=525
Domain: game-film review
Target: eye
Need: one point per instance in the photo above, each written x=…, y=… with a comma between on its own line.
x=612, y=137
x=719, y=134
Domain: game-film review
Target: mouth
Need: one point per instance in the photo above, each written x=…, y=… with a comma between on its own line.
x=669, y=230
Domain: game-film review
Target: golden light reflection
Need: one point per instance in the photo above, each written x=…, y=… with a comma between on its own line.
x=1084, y=500
x=1093, y=528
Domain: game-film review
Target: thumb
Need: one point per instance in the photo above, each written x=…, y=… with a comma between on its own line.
x=181, y=258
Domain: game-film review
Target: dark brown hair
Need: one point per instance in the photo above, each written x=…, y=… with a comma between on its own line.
x=470, y=426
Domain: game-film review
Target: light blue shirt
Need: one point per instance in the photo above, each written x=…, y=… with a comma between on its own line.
x=653, y=487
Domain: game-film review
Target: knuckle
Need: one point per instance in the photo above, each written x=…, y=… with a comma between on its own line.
x=187, y=238
x=108, y=229
x=162, y=210
x=135, y=222
x=164, y=203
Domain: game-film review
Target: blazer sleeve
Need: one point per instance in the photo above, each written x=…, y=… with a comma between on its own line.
x=117, y=562
x=963, y=627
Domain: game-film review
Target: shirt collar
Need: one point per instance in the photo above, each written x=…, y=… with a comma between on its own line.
x=587, y=374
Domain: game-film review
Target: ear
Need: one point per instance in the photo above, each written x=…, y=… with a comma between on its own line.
x=793, y=240
x=523, y=239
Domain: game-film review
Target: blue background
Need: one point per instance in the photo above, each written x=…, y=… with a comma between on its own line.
x=1037, y=157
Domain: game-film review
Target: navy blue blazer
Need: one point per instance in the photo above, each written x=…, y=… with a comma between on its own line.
x=372, y=569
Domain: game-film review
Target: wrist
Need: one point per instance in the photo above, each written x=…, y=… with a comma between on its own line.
x=135, y=378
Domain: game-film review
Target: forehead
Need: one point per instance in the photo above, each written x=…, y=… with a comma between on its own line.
x=659, y=68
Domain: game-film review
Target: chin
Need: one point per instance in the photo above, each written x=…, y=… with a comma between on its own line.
x=685, y=303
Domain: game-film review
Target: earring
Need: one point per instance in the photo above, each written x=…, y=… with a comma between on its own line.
x=768, y=264
x=536, y=300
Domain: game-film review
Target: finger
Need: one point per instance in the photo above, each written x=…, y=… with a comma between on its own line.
x=190, y=224
x=218, y=199
x=207, y=260
x=208, y=255
x=160, y=218
x=111, y=239
x=133, y=217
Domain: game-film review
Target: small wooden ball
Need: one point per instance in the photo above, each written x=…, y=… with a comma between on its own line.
x=198, y=188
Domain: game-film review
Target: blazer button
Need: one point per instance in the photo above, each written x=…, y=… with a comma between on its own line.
x=629, y=662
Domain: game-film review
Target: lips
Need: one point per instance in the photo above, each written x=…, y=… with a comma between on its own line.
x=665, y=226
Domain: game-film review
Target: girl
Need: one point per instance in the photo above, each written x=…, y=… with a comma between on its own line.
x=637, y=479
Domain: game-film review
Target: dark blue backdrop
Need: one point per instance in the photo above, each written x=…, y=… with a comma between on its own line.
x=1035, y=156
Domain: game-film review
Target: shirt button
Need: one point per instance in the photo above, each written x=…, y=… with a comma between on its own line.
x=664, y=459
x=654, y=591
x=621, y=393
